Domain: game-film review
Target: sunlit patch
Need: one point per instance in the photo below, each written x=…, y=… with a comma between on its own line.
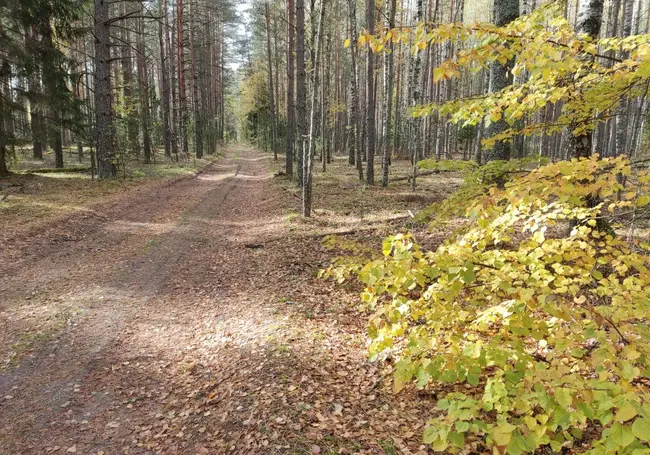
x=254, y=177
x=261, y=158
x=65, y=175
x=215, y=177
x=27, y=325
x=133, y=227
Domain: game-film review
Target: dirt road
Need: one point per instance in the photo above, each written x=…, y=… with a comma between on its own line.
x=107, y=300
x=185, y=318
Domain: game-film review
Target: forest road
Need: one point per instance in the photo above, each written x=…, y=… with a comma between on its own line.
x=118, y=331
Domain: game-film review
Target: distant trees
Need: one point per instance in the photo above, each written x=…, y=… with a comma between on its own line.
x=371, y=100
x=153, y=76
x=36, y=72
x=149, y=75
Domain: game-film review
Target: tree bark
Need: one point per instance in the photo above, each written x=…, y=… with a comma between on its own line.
x=388, y=98
x=355, y=114
x=5, y=76
x=415, y=100
x=291, y=102
x=53, y=88
x=590, y=14
x=270, y=73
x=164, y=69
x=103, y=93
x=180, y=63
x=622, y=112
x=370, y=97
x=301, y=89
x=128, y=103
x=505, y=11
x=198, y=116
x=309, y=156
x=143, y=87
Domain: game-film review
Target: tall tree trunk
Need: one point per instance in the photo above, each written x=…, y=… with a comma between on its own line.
x=415, y=100
x=53, y=88
x=198, y=116
x=291, y=102
x=173, y=65
x=5, y=77
x=271, y=94
x=590, y=14
x=622, y=112
x=505, y=11
x=301, y=89
x=36, y=108
x=103, y=93
x=180, y=63
x=388, y=97
x=355, y=114
x=128, y=102
x=325, y=120
x=370, y=97
x=143, y=87
x=309, y=156
x=164, y=69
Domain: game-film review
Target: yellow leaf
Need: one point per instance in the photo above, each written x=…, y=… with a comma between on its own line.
x=502, y=434
x=346, y=43
x=626, y=413
x=438, y=74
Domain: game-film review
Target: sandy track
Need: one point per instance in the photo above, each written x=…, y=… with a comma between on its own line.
x=127, y=273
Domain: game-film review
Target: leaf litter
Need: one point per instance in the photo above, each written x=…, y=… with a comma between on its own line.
x=234, y=349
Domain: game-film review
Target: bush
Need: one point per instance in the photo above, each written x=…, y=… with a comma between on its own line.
x=533, y=320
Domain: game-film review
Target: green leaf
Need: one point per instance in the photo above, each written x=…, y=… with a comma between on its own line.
x=430, y=435
x=563, y=397
x=641, y=429
x=622, y=434
x=468, y=274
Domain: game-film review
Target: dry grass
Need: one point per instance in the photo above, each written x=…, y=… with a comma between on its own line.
x=344, y=204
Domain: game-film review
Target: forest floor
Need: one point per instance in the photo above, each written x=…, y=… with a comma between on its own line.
x=185, y=316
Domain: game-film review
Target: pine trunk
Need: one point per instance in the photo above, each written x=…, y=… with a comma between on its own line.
x=291, y=102
x=143, y=87
x=103, y=93
x=271, y=94
x=164, y=69
x=301, y=89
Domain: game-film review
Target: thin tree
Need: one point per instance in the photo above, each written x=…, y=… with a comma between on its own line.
x=143, y=88
x=355, y=115
x=301, y=88
x=309, y=156
x=164, y=70
x=291, y=102
x=388, y=97
x=370, y=97
x=270, y=72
